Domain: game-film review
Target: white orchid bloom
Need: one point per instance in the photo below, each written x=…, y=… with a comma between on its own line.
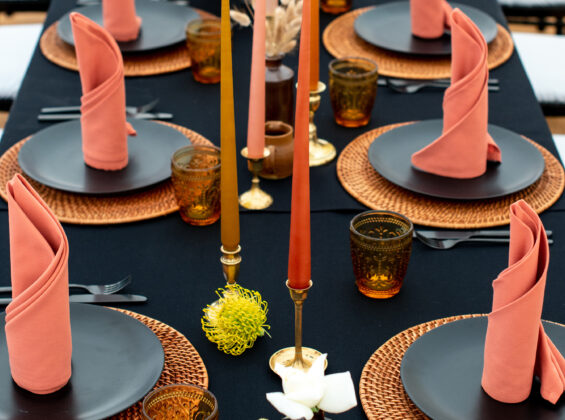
x=305, y=391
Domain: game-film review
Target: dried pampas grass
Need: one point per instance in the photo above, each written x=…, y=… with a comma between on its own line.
x=282, y=27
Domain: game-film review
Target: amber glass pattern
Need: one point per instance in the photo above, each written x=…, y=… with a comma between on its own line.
x=353, y=88
x=335, y=6
x=381, y=243
x=180, y=402
x=196, y=181
x=203, y=42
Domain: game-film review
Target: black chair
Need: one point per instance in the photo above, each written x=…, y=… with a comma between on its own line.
x=541, y=13
x=11, y=6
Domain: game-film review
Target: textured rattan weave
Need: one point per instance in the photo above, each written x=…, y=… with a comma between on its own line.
x=359, y=179
x=99, y=210
x=380, y=389
x=165, y=60
x=183, y=364
x=340, y=40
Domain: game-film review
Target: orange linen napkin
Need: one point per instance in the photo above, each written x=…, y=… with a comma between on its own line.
x=429, y=17
x=516, y=346
x=465, y=145
x=120, y=19
x=38, y=325
x=103, y=114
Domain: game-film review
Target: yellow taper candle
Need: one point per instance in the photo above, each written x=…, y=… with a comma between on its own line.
x=229, y=196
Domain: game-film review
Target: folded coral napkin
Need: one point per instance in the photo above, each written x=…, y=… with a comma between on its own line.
x=516, y=346
x=103, y=114
x=120, y=19
x=38, y=326
x=465, y=145
x=429, y=17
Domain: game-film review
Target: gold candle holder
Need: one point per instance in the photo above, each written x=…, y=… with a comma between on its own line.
x=255, y=198
x=321, y=151
x=231, y=261
x=297, y=357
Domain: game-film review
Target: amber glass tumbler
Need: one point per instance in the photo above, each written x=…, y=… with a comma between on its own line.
x=381, y=244
x=196, y=180
x=353, y=88
x=203, y=42
x=180, y=402
x=335, y=6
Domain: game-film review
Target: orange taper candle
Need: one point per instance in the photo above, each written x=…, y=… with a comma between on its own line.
x=314, y=44
x=229, y=196
x=299, y=250
x=256, y=122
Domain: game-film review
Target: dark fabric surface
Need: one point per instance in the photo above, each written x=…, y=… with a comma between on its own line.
x=177, y=266
x=197, y=106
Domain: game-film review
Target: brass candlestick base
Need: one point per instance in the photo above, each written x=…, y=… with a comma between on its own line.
x=255, y=198
x=298, y=357
x=321, y=151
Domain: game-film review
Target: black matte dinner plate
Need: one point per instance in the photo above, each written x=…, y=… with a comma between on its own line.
x=522, y=163
x=442, y=370
x=163, y=24
x=116, y=361
x=53, y=157
x=388, y=26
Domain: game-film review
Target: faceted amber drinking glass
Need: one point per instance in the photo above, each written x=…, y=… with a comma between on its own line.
x=353, y=88
x=381, y=243
x=196, y=180
x=335, y=6
x=203, y=41
x=180, y=402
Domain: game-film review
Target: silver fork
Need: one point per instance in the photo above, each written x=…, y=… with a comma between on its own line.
x=450, y=243
x=413, y=86
x=130, y=110
x=95, y=289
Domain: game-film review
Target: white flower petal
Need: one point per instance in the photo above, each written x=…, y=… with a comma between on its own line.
x=316, y=371
x=288, y=407
x=339, y=395
x=309, y=396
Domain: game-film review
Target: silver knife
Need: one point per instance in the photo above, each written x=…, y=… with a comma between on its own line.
x=456, y=234
x=139, y=116
x=89, y=298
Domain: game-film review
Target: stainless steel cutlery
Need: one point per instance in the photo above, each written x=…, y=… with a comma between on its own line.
x=97, y=289
x=90, y=298
x=445, y=239
x=414, y=85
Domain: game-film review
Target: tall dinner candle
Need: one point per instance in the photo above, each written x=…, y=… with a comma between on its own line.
x=229, y=196
x=314, y=43
x=256, y=122
x=299, y=250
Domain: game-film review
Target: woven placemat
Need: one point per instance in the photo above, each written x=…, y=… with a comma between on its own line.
x=366, y=185
x=183, y=364
x=99, y=210
x=164, y=60
x=380, y=389
x=340, y=40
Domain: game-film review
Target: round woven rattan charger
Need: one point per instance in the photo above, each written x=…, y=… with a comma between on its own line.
x=365, y=184
x=183, y=364
x=380, y=389
x=99, y=210
x=340, y=40
x=164, y=60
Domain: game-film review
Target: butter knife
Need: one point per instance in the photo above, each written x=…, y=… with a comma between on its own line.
x=139, y=116
x=89, y=298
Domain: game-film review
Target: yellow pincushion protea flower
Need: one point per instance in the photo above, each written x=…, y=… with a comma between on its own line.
x=236, y=320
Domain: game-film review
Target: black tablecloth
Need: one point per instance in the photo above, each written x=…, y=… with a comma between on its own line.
x=177, y=266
